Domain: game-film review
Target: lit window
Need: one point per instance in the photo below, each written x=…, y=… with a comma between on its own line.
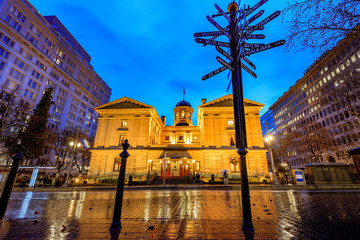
x=124, y=123
x=230, y=122
x=353, y=58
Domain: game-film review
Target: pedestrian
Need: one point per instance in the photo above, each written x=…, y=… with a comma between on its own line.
x=24, y=181
x=197, y=179
x=45, y=180
x=226, y=179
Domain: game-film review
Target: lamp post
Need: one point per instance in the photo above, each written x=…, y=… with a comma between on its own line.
x=193, y=161
x=74, y=145
x=115, y=227
x=268, y=139
x=164, y=177
x=148, y=175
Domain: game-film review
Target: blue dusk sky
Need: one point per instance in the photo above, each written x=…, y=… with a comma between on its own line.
x=145, y=50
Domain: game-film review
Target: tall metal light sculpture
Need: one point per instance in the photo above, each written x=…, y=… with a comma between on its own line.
x=239, y=30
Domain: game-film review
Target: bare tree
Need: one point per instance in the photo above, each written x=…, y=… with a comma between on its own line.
x=343, y=93
x=59, y=145
x=320, y=24
x=314, y=141
x=284, y=147
x=63, y=152
x=13, y=117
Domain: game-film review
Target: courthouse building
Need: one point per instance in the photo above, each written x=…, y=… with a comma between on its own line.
x=208, y=148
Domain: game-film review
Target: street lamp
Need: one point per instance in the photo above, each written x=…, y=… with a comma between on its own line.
x=148, y=175
x=268, y=139
x=73, y=144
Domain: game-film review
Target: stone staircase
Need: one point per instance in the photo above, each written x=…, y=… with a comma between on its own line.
x=172, y=180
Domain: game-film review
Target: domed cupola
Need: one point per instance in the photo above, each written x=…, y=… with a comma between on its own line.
x=183, y=103
x=183, y=113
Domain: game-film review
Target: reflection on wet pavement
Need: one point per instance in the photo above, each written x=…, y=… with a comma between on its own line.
x=183, y=214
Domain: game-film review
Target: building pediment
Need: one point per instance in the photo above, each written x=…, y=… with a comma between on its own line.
x=227, y=101
x=123, y=103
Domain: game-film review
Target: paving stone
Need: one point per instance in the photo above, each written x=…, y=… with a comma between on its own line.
x=183, y=214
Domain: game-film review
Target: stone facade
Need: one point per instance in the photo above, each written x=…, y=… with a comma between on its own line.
x=208, y=148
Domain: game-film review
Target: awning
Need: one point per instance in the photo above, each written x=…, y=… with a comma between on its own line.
x=176, y=154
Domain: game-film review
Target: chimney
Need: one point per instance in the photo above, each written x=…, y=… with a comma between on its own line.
x=203, y=100
x=163, y=119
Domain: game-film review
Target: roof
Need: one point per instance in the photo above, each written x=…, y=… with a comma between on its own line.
x=227, y=101
x=123, y=103
x=183, y=103
x=176, y=154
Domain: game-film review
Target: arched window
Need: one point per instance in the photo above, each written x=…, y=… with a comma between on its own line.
x=234, y=164
x=182, y=115
x=232, y=142
x=117, y=163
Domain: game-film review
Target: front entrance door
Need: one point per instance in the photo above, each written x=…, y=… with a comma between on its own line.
x=176, y=169
x=184, y=169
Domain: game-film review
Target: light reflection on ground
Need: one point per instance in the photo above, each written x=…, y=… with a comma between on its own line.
x=189, y=214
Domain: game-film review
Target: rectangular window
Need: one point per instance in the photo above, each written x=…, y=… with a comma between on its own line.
x=230, y=122
x=124, y=123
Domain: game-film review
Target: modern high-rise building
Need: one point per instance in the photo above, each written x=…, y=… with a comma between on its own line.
x=310, y=107
x=37, y=52
x=267, y=124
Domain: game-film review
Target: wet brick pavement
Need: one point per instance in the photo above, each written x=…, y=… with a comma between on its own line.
x=183, y=214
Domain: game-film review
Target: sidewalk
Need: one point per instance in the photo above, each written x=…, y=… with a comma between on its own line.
x=191, y=186
x=183, y=214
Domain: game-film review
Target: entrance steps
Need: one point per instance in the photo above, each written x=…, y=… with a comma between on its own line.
x=172, y=180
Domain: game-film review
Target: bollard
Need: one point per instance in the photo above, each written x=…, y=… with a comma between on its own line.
x=115, y=227
x=9, y=184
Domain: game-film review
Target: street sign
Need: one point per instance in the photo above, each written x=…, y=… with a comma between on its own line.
x=223, y=52
x=218, y=26
x=222, y=12
x=255, y=36
x=262, y=48
x=256, y=6
x=251, y=27
x=253, y=45
x=263, y=22
x=224, y=63
x=206, y=34
x=211, y=42
x=248, y=62
x=214, y=37
x=253, y=18
x=213, y=73
x=248, y=70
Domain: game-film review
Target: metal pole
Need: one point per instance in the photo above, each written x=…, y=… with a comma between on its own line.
x=240, y=130
x=71, y=159
x=115, y=227
x=4, y=200
x=272, y=164
x=164, y=167
x=275, y=181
